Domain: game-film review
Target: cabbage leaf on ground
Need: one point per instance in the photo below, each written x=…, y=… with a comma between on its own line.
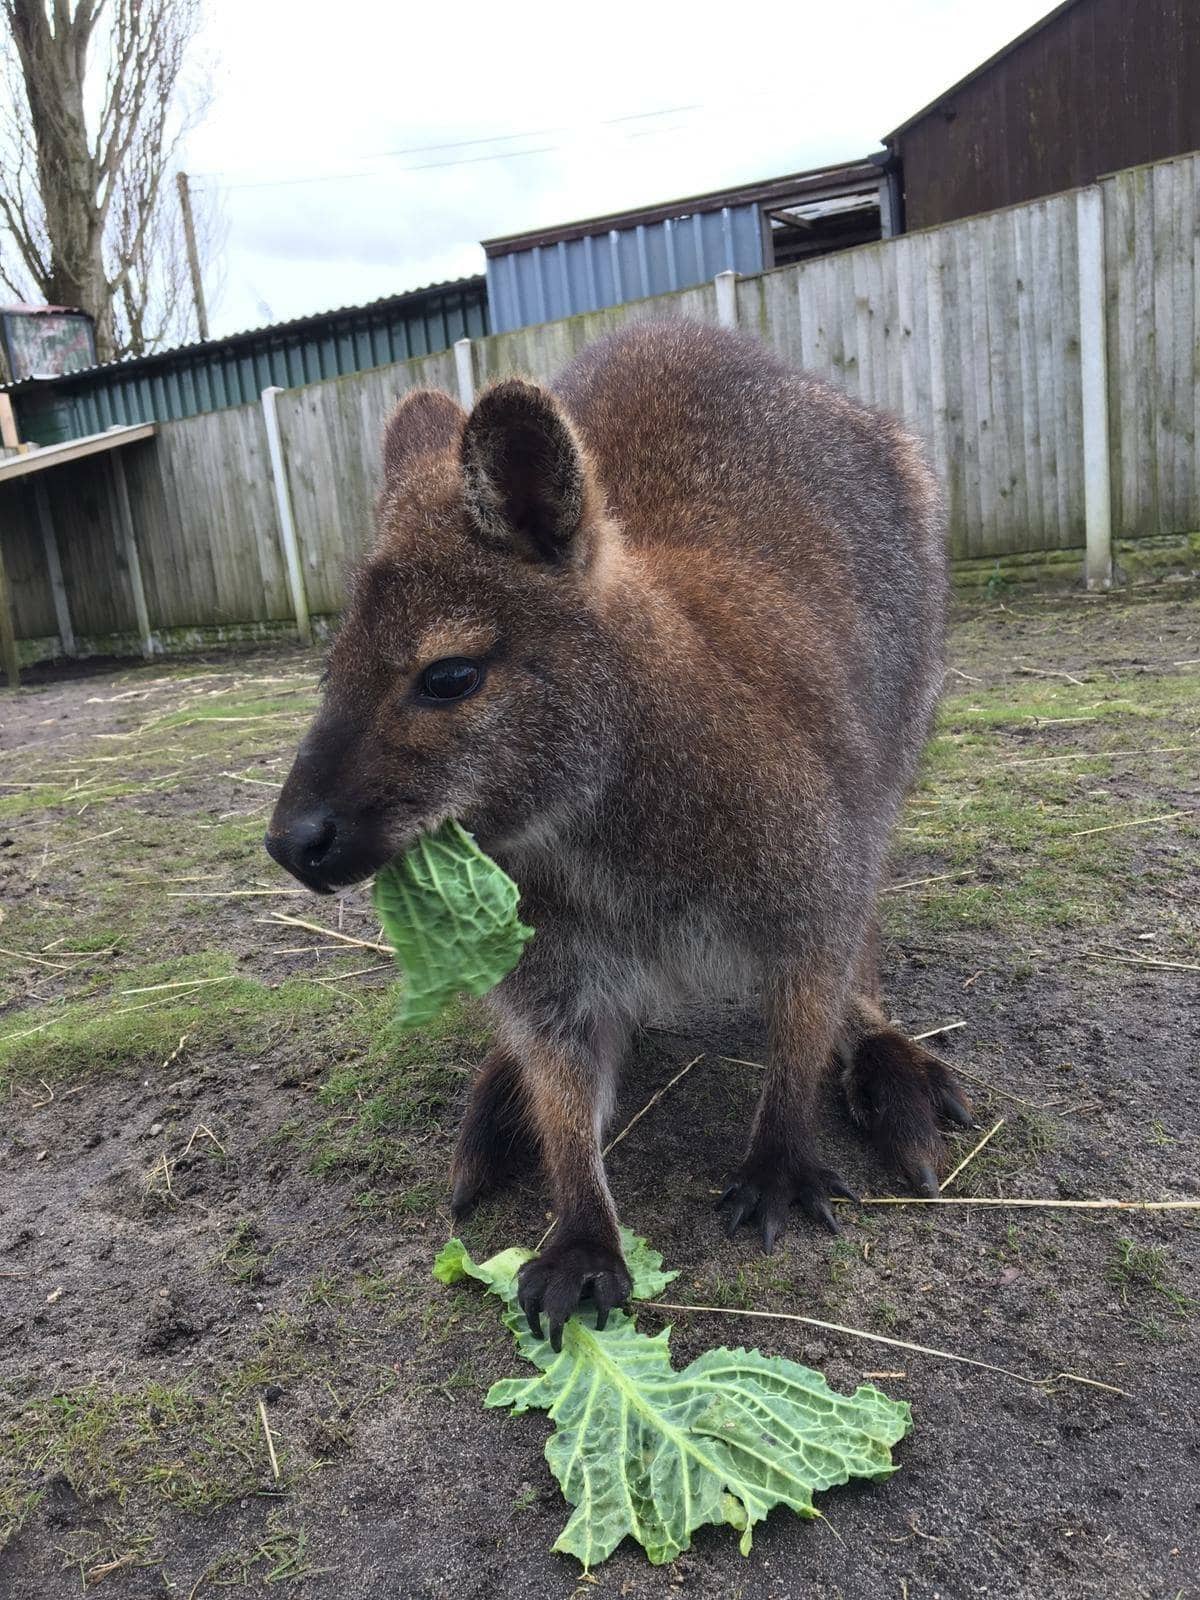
x=645, y=1451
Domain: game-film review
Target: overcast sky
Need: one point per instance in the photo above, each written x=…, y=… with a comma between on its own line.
x=363, y=147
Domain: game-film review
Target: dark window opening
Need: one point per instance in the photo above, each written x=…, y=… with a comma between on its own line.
x=818, y=227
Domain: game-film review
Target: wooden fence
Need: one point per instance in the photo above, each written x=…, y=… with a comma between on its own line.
x=972, y=332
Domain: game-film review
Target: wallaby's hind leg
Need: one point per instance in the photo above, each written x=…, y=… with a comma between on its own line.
x=897, y=1094
x=495, y=1140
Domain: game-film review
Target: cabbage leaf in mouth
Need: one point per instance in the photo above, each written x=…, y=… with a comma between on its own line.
x=450, y=914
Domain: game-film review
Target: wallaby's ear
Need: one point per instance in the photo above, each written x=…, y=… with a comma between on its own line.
x=424, y=422
x=525, y=479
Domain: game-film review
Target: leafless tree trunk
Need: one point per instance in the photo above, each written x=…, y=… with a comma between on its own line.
x=83, y=201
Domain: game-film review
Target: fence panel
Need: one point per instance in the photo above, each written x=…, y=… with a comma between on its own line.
x=331, y=434
x=1151, y=232
x=204, y=515
x=30, y=594
x=968, y=332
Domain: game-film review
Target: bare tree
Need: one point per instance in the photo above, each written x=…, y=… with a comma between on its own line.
x=95, y=114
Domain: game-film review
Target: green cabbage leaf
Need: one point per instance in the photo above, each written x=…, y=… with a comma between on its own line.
x=645, y=1451
x=450, y=914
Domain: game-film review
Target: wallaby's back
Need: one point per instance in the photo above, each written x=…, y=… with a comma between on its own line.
x=751, y=489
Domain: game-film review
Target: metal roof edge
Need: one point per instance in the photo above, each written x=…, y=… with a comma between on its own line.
x=861, y=170
x=267, y=331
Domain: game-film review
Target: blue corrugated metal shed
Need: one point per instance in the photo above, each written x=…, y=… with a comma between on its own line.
x=583, y=266
x=233, y=371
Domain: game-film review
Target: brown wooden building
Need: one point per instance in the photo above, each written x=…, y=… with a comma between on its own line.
x=1095, y=86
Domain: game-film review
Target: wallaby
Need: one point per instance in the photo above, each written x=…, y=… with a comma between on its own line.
x=666, y=637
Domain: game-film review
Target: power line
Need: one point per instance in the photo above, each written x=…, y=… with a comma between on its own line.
x=533, y=133
x=460, y=161
x=376, y=172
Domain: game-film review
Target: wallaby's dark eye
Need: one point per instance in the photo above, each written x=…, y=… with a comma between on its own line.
x=452, y=679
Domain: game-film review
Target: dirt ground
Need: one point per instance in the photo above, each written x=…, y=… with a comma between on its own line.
x=222, y=1178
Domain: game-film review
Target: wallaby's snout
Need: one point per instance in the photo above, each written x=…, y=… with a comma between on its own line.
x=324, y=848
x=304, y=845
x=320, y=831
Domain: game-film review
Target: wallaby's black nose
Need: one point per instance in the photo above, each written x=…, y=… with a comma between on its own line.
x=305, y=843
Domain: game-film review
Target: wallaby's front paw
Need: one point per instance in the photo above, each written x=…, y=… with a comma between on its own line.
x=553, y=1284
x=762, y=1195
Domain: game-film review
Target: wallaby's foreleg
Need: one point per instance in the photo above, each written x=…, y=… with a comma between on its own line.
x=897, y=1093
x=569, y=1086
x=781, y=1167
x=496, y=1140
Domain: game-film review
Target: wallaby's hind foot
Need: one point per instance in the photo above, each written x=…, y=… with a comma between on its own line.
x=897, y=1094
x=762, y=1197
x=495, y=1142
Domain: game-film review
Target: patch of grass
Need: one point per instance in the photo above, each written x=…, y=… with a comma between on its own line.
x=382, y=1098
x=117, y=1547
x=245, y=710
x=1010, y=1250
x=377, y=1288
x=187, y=1449
x=279, y=1555
x=845, y=1256
x=241, y=1256
x=1027, y=1136
x=325, y=1290
x=753, y=1284
x=107, y=1027
x=1152, y=1331
x=1142, y=1270
x=989, y=804
x=465, y=1379
x=191, y=1446
x=66, y=797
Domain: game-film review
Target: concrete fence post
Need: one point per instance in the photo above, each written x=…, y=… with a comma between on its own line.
x=287, y=522
x=464, y=370
x=726, y=287
x=1093, y=378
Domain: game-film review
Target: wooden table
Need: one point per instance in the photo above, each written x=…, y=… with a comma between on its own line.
x=44, y=459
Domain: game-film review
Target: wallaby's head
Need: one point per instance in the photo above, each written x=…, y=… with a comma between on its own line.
x=468, y=675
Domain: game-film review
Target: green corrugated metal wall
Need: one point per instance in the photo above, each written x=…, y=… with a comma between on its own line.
x=234, y=372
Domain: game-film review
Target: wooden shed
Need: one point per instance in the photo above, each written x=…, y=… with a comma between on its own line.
x=1095, y=86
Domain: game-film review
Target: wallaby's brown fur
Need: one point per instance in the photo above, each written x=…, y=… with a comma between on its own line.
x=703, y=597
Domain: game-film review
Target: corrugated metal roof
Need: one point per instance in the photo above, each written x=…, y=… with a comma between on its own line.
x=763, y=192
x=218, y=373
x=270, y=331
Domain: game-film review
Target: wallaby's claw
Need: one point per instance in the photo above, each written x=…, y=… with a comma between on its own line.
x=924, y=1180
x=553, y=1285
x=765, y=1202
